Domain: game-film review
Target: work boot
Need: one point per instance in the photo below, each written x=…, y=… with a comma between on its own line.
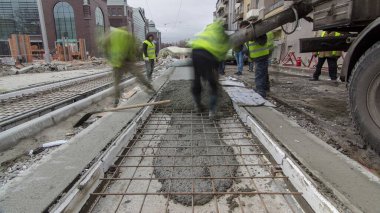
x=116, y=102
x=313, y=79
x=238, y=73
x=199, y=108
x=212, y=115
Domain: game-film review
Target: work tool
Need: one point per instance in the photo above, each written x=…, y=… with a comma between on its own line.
x=88, y=115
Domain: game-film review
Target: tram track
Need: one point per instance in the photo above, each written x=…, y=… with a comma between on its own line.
x=31, y=104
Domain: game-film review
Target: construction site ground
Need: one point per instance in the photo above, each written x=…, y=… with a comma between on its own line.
x=343, y=182
x=321, y=107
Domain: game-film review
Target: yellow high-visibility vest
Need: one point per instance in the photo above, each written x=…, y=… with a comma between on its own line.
x=151, y=50
x=214, y=40
x=330, y=53
x=120, y=47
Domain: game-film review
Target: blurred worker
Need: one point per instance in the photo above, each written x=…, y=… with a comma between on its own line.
x=149, y=55
x=331, y=57
x=239, y=52
x=209, y=49
x=259, y=53
x=120, y=51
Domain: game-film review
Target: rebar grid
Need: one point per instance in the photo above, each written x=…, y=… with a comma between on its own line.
x=136, y=158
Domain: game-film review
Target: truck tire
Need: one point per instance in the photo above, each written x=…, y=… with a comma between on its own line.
x=364, y=96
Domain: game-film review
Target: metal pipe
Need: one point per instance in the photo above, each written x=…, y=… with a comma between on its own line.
x=43, y=31
x=260, y=28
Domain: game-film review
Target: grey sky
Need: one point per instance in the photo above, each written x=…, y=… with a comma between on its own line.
x=174, y=26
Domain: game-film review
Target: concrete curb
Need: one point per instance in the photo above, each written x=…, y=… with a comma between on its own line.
x=74, y=199
x=301, y=181
x=11, y=136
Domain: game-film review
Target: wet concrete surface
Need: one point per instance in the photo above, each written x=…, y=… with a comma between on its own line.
x=179, y=91
x=193, y=138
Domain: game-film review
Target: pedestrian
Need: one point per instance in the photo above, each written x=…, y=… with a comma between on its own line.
x=120, y=51
x=238, y=52
x=209, y=49
x=149, y=55
x=259, y=53
x=332, y=60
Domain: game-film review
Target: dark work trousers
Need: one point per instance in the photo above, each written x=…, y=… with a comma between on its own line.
x=333, y=67
x=261, y=75
x=149, y=66
x=205, y=67
x=222, y=67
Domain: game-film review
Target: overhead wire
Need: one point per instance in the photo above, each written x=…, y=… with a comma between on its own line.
x=147, y=5
x=179, y=11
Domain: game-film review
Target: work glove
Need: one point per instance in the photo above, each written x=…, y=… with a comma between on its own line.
x=146, y=59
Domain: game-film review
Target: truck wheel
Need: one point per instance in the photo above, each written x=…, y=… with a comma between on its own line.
x=364, y=93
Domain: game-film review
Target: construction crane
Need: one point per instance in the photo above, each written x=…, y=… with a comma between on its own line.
x=360, y=22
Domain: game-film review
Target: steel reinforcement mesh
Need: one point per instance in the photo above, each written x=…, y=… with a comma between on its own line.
x=181, y=161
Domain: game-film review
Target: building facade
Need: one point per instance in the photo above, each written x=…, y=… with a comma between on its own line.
x=68, y=20
x=120, y=14
x=18, y=17
x=73, y=19
x=140, y=24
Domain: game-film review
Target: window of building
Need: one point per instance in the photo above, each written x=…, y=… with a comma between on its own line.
x=64, y=21
x=99, y=19
x=18, y=16
x=119, y=11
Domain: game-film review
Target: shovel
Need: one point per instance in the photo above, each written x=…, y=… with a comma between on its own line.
x=88, y=115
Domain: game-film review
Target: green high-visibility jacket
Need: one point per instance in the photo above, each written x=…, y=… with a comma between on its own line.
x=256, y=50
x=120, y=46
x=151, y=50
x=214, y=40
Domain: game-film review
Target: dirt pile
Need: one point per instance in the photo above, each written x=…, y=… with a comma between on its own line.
x=7, y=70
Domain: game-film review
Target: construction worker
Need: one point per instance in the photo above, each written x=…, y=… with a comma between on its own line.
x=259, y=53
x=120, y=51
x=209, y=49
x=149, y=55
x=332, y=60
x=270, y=45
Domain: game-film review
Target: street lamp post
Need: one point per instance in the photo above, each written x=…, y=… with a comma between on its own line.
x=43, y=31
